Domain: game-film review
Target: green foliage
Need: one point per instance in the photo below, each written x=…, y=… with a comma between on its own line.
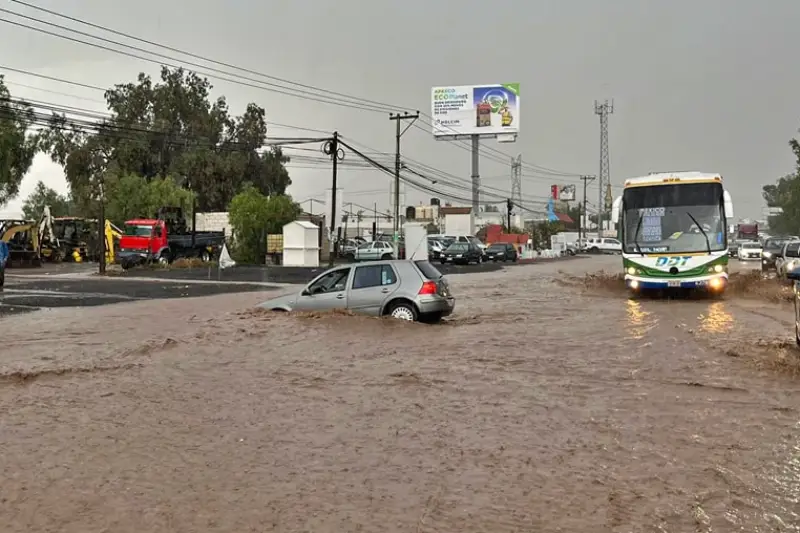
x=17, y=145
x=785, y=193
x=253, y=216
x=42, y=195
x=171, y=128
x=540, y=233
x=131, y=196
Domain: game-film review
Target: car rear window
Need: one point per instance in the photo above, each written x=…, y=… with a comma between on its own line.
x=428, y=270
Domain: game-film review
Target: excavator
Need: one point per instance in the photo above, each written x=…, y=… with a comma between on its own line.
x=56, y=240
x=26, y=239
x=77, y=240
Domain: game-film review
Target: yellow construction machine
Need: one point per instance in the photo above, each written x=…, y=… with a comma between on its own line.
x=25, y=239
x=77, y=240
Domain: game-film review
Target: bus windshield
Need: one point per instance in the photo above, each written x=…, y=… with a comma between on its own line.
x=681, y=218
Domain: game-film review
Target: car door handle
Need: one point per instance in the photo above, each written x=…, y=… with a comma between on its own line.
x=384, y=291
x=340, y=296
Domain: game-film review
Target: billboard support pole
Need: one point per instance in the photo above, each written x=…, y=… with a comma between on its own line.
x=584, y=225
x=397, y=118
x=476, y=180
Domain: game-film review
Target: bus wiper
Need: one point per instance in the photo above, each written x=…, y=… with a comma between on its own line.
x=636, y=236
x=708, y=243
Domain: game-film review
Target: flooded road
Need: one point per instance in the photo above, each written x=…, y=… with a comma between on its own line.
x=550, y=402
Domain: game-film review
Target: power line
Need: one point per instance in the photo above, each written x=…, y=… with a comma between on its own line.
x=336, y=98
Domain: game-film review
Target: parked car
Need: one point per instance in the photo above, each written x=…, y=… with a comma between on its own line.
x=501, y=251
x=603, y=245
x=462, y=253
x=374, y=251
x=349, y=247
x=772, y=250
x=789, y=258
x=794, y=276
x=733, y=248
x=3, y=261
x=435, y=248
x=403, y=289
x=749, y=250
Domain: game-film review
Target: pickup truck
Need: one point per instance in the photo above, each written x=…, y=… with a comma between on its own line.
x=165, y=239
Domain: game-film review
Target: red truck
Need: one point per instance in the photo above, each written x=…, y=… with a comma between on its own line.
x=747, y=232
x=166, y=238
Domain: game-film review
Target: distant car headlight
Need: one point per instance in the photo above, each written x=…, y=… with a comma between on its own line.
x=766, y=254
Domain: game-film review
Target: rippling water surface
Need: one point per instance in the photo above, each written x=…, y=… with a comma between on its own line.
x=549, y=402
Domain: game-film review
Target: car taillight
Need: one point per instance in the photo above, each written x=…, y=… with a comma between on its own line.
x=428, y=287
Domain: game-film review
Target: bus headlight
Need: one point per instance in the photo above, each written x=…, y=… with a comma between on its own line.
x=716, y=268
x=632, y=271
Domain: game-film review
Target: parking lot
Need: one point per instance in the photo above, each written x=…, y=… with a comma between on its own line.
x=549, y=401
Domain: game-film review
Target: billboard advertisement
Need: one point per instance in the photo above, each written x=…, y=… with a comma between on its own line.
x=562, y=193
x=485, y=110
x=566, y=193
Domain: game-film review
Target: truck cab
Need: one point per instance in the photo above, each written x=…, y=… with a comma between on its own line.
x=144, y=239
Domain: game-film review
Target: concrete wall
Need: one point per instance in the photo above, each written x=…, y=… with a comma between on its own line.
x=457, y=224
x=216, y=221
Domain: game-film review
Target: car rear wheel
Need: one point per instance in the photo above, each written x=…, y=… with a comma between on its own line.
x=386, y=257
x=403, y=311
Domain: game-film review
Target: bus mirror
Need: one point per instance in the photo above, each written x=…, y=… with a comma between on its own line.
x=728, y=205
x=615, y=209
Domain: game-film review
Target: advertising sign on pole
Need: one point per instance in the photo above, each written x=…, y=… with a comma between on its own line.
x=554, y=192
x=566, y=193
x=468, y=110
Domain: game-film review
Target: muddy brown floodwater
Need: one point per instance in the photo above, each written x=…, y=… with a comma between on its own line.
x=543, y=405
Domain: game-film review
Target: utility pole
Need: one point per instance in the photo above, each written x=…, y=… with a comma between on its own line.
x=397, y=117
x=516, y=186
x=332, y=148
x=101, y=225
x=586, y=181
x=509, y=210
x=603, y=110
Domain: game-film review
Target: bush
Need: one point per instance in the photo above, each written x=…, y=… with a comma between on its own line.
x=253, y=216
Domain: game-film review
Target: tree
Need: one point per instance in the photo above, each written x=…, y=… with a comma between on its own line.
x=171, y=128
x=785, y=194
x=253, y=216
x=132, y=196
x=18, y=145
x=42, y=195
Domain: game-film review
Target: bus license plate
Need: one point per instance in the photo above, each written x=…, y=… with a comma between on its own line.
x=673, y=283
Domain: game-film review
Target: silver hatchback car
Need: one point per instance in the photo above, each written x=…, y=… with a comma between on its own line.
x=404, y=289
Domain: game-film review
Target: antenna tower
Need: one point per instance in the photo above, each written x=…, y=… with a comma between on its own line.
x=516, y=186
x=604, y=178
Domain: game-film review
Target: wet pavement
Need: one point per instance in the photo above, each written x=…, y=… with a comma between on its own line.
x=549, y=402
x=24, y=294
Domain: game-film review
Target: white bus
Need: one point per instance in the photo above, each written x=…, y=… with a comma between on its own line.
x=672, y=226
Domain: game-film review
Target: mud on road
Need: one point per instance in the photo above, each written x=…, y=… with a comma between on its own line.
x=547, y=403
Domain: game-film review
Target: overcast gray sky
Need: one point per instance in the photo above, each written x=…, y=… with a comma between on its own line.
x=707, y=85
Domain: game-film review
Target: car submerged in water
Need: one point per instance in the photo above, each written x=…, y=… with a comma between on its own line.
x=404, y=289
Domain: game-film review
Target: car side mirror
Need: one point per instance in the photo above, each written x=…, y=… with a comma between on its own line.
x=305, y=292
x=794, y=275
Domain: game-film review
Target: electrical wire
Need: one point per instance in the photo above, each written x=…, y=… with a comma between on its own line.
x=336, y=98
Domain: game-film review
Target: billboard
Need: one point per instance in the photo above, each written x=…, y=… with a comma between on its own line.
x=563, y=193
x=466, y=110
x=566, y=193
